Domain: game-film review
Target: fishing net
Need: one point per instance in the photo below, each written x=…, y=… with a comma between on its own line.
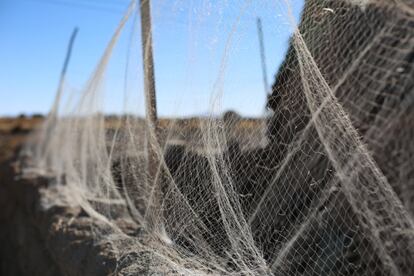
x=321, y=183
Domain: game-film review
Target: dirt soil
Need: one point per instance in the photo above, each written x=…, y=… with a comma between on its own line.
x=36, y=240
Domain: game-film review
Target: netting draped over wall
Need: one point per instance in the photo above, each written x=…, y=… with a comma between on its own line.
x=321, y=185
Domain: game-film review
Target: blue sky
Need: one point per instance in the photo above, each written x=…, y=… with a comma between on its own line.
x=190, y=37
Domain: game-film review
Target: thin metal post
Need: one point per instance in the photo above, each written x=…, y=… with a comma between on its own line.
x=51, y=121
x=262, y=55
x=54, y=110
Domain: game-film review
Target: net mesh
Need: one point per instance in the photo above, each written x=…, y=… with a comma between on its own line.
x=320, y=184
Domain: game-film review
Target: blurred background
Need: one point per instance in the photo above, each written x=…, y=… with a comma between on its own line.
x=189, y=44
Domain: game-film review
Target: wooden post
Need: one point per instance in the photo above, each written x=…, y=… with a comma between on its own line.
x=149, y=79
x=153, y=209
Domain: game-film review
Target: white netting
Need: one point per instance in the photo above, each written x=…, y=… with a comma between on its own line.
x=321, y=184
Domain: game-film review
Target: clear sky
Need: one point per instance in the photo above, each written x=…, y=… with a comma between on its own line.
x=190, y=38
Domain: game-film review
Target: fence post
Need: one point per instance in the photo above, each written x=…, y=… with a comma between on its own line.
x=153, y=208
